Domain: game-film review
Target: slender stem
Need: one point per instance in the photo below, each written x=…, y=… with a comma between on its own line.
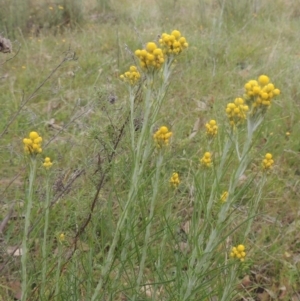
x=46, y=226
x=156, y=182
x=57, y=283
x=132, y=127
x=28, y=206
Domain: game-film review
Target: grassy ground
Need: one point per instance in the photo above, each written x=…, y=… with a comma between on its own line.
x=79, y=111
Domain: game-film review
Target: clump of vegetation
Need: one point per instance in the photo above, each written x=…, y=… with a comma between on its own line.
x=155, y=183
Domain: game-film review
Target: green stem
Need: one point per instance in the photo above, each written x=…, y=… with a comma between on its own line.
x=46, y=226
x=57, y=282
x=148, y=228
x=132, y=115
x=255, y=204
x=28, y=206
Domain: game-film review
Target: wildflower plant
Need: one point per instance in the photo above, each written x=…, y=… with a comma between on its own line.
x=186, y=256
x=151, y=60
x=47, y=165
x=205, y=238
x=241, y=115
x=32, y=147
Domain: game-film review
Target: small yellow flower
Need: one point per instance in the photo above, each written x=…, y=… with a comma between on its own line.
x=61, y=237
x=50, y=7
x=236, y=111
x=151, y=46
x=224, y=196
x=238, y=252
x=174, y=180
x=60, y=7
x=211, y=128
x=132, y=76
x=263, y=80
x=47, y=163
x=162, y=136
x=267, y=162
x=32, y=145
x=206, y=160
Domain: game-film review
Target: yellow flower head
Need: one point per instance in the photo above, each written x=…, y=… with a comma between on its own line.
x=236, y=111
x=224, y=196
x=206, y=160
x=211, y=128
x=132, y=76
x=47, y=163
x=61, y=237
x=150, y=58
x=32, y=145
x=174, y=180
x=162, y=136
x=238, y=252
x=267, y=162
x=259, y=94
x=174, y=43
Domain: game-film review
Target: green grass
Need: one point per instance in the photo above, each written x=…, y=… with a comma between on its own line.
x=230, y=42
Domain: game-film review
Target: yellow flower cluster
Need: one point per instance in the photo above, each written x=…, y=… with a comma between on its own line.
x=162, y=136
x=150, y=58
x=236, y=111
x=47, y=163
x=224, y=196
x=267, y=162
x=61, y=237
x=173, y=43
x=238, y=252
x=32, y=145
x=259, y=93
x=175, y=181
x=132, y=76
x=206, y=159
x=211, y=128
